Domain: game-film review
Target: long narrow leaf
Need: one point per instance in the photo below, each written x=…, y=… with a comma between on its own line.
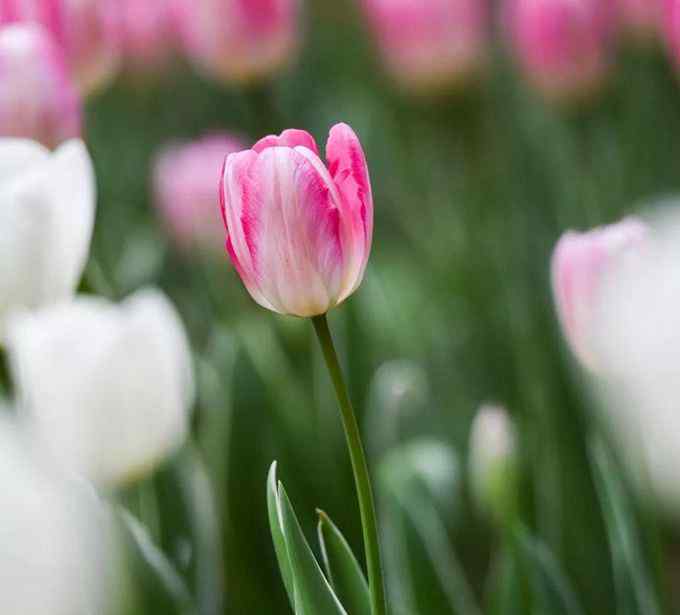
x=313, y=593
x=635, y=592
x=342, y=568
x=553, y=593
x=275, y=525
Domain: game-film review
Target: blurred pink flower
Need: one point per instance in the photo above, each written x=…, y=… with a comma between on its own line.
x=562, y=46
x=91, y=42
x=187, y=191
x=38, y=100
x=242, y=40
x=671, y=26
x=84, y=29
x=428, y=44
x=579, y=264
x=298, y=232
x=641, y=17
x=148, y=34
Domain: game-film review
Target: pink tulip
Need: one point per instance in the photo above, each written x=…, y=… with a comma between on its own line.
x=671, y=27
x=148, y=34
x=84, y=29
x=428, y=44
x=91, y=41
x=186, y=192
x=299, y=232
x=580, y=263
x=38, y=100
x=562, y=46
x=241, y=40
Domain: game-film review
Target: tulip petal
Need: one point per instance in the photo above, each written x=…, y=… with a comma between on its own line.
x=106, y=388
x=348, y=168
x=299, y=250
x=288, y=138
x=18, y=155
x=150, y=421
x=71, y=188
x=240, y=218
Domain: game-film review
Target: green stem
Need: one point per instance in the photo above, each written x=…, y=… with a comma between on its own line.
x=359, y=467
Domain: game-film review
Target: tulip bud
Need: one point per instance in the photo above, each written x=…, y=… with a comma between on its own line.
x=107, y=388
x=430, y=44
x=187, y=194
x=580, y=262
x=242, y=40
x=493, y=462
x=562, y=46
x=47, y=208
x=37, y=98
x=299, y=233
x=52, y=547
x=148, y=35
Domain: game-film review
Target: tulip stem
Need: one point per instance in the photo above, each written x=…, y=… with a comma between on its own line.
x=359, y=467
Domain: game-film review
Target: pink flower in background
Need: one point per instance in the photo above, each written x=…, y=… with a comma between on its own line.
x=148, y=34
x=84, y=29
x=298, y=232
x=91, y=41
x=562, y=46
x=38, y=100
x=427, y=44
x=241, y=40
x=580, y=262
x=186, y=192
x=46, y=12
x=671, y=26
x=641, y=17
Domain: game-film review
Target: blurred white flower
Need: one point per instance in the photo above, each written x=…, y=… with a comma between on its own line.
x=52, y=537
x=493, y=460
x=637, y=329
x=47, y=204
x=106, y=387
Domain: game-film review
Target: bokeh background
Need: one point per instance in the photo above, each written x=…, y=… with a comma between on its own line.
x=473, y=185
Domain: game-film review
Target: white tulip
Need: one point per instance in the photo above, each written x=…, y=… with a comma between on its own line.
x=47, y=206
x=52, y=537
x=638, y=344
x=107, y=387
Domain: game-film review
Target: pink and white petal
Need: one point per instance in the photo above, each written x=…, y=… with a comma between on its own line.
x=288, y=138
x=235, y=202
x=348, y=168
x=241, y=218
x=301, y=258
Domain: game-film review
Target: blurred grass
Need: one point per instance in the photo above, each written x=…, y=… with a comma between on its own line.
x=471, y=192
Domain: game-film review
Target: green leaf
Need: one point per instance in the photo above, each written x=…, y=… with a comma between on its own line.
x=342, y=568
x=508, y=592
x=191, y=528
x=278, y=537
x=157, y=586
x=552, y=592
x=313, y=593
x=428, y=577
x=308, y=590
x=636, y=594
